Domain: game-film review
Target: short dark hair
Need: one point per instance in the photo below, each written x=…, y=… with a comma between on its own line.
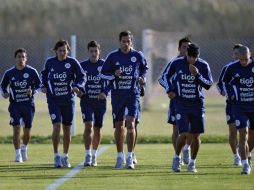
x=237, y=46
x=20, y=50
x=183, y=40
x=193, y=50
x=125, y=33
x=61, y=43
x=93, y=43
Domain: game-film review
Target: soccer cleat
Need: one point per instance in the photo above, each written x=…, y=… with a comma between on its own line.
x=18, y=158
x=129, y=163
x=237, y=161
x=176, y=165
x=57, y=160
x=135, y=161
x=88, y=160
x=24, y=153
x=246, y=169
x=186, y=156
x=192, y=168
x=65, y=162
x=94, y=161
x=124, y=160
x=119, y=162
x=249, y=161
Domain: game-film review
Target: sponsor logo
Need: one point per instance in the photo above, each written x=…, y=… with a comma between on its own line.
x=126, y=70
x=21, y=84
x=61, y=76
x=95, y=79
x=189, y=78
x=248, y=82
x=25, y=75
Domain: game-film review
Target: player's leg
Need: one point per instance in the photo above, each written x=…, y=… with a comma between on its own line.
x=15, y=121
x=232, y=134
x=197, y=126
x=67, y=119
x=134, y=156
x=130, y=138
x=234, y=144
x=100, y=110
x=87, y=139
x=186, y=149
x=251, y=137
x=241, y=123
x=182, y=122
x=28, y=116
x=56, y=119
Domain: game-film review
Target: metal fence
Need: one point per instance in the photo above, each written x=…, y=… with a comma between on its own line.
x=216, y=52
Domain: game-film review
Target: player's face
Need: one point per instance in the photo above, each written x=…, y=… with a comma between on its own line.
x=62, y=53
x=94, y=53
x=191, y=60
x=126, y=43
x=183, y=48
x=244, y=59
x=21, y=59
x=235, y=54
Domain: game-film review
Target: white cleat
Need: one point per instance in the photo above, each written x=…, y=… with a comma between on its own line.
x=18, y=158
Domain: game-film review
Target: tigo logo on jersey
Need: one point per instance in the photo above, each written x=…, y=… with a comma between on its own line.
x=126, y=70
x=21, y=84
x=189, y=78
x=248, y=82
x=61, y=76
x=95, y=79
x=25, y=75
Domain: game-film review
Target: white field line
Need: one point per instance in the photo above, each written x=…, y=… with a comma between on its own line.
x=71, y=173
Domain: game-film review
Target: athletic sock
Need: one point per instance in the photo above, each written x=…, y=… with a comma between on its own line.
x=94, y=152
x=88, y=151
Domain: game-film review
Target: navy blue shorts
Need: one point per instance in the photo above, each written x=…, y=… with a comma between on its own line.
x=172, y=112
x=93, y=110
x=122, y=102
x=190, y=120
x=229, y=114
x=61, y=113
x=137, y=118
x=243, y=118
x=21, y=114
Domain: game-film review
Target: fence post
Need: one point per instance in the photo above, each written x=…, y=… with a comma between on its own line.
x=73, y=54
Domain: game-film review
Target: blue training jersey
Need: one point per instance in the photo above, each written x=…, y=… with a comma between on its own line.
x=188, y=88
x=60, y=76
x=94, y=85
x=133, y=65
x=238, y=81
x=19, y=82
x=219, y=85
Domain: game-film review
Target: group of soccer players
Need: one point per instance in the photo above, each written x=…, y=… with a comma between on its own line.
x=184, y=78
x=123, y=73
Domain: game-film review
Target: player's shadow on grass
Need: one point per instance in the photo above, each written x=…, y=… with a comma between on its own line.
x=22, y=167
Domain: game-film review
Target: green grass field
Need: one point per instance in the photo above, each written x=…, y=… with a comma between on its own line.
x=153, y=122
x=153, y=171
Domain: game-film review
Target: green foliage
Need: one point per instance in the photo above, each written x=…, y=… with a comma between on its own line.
x=100, y=18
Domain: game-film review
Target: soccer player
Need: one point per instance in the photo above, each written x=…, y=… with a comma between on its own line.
x=233, y=142
x=238, y=84
x=182, y=48
x=93, y=103
x=20, y=83
x=126, y=68
x=61, y=77
x=186, y=77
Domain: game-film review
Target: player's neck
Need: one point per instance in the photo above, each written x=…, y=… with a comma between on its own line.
x=20, y=67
